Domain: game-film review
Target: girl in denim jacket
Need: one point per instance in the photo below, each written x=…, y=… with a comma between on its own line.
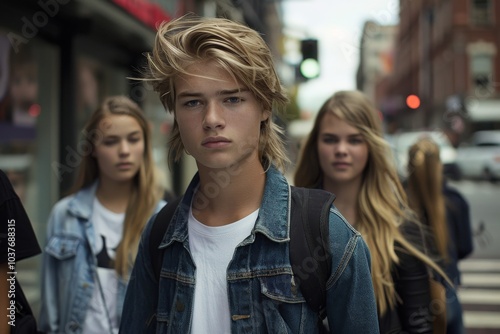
x=226, y=265
x=346, y=154
x=92, y=235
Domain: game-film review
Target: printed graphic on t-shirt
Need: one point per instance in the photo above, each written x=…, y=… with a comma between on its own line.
x=102, y=312
x=104, y=259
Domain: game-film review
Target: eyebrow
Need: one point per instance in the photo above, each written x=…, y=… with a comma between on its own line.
x=336, y=135
x=128, y=134
x=222, y=92
x=233, y=91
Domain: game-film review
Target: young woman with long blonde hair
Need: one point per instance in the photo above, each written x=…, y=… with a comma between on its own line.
x=93, y=234
x=446, y=214
x=346, y=154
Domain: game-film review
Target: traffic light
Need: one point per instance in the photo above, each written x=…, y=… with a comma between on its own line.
x=309, y=66
x=413, y=101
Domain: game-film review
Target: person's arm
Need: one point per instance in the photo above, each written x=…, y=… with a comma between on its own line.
x=16, y=232
x=464, y=242
x=50, y=299
x=411, y=281
x=139, y=308
x=13, y=214
x=351, y=306
x=4, y=299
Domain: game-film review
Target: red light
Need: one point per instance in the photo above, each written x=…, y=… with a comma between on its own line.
x=413, y=101
x=34, y=110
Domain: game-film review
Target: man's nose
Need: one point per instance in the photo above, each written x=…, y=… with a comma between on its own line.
x=214, y=116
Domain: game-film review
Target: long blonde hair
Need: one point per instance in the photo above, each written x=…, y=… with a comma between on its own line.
x=425, y=190
x=145, y=192
x=234, y=47
x=382, y=206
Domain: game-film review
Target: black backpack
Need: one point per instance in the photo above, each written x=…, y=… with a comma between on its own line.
x=309, y=251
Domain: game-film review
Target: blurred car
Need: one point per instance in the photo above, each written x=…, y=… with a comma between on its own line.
x=402, y=142
x=480, y=159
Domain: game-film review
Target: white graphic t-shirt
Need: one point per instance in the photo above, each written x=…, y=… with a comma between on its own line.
x=212, y=249
x=108, y=228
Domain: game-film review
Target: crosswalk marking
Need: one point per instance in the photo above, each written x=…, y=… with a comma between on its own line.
x=481, y=319
x=479, y=296
x=479, y=266
x=484, y=280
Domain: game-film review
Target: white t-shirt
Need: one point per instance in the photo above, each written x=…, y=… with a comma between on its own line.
x=108, y=228
x=212, y=249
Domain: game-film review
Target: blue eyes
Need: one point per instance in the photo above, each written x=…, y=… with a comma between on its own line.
x=192, y=103
x=233, y=99
x=229, y=100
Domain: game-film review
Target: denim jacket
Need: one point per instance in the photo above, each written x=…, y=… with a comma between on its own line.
x=263, y=297
x=69, y=267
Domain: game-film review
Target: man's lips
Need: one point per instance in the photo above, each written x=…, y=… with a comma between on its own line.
x=215, y=141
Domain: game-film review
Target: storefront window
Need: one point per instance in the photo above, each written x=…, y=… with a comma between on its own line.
x=19, y=113
x=28, y=137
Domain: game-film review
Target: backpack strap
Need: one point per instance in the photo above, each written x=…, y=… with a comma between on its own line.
x=309, y=251
x=160, y=226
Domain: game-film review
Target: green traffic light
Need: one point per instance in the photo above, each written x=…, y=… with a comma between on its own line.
x=309, y=68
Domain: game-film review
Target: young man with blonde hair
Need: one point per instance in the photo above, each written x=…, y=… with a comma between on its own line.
x=226, y=265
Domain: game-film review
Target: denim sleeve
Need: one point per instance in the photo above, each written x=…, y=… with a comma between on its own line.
x=49, y=310
x=139, y=309
x=351, y=306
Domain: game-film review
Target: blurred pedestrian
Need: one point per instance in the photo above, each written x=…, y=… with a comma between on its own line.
x=346, y=154
x=92, y=235
x=17, y=242
x=226, y=265
x=446, y=213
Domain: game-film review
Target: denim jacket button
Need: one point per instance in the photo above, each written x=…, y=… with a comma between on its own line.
x=179, y=306
x=72, y=326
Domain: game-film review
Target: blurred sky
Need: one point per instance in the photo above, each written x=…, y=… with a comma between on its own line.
x=337, y=24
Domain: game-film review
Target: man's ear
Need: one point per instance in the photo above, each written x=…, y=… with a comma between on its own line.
x=265, y=115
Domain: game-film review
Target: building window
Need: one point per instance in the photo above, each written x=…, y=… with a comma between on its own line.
x=481, y=70
x=480, y=12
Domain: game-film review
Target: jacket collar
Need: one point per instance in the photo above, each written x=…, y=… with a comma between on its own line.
x=273, y=216
x=81, y=203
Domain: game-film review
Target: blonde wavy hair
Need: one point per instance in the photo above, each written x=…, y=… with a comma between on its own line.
x=382, y=206
x=234, y=47
x=425, y=190
x=146, y=191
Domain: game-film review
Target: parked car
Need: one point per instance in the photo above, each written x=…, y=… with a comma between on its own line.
x=403, y=141
x=480, y=159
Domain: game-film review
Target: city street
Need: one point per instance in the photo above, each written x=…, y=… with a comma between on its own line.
x=421, y=67
x=480, y=293
x=484, y=201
